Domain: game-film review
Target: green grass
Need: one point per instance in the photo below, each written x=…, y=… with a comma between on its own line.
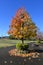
x=5, y=45
x=8, y=42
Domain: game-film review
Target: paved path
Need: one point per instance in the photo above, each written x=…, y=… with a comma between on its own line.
x=5, y=59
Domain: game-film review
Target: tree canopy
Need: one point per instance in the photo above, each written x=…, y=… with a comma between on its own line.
x=22, y=26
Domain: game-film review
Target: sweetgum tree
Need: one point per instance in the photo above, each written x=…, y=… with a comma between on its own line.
x=21, y=26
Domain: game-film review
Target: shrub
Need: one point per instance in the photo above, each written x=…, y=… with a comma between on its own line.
x=25, y=46
x=19, y=46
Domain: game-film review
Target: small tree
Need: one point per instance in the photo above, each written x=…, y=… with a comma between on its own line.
x=22, y=26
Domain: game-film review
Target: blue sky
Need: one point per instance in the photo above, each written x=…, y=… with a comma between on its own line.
x=8, y=9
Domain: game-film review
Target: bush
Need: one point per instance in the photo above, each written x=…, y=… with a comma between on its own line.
x=25, y=46
x=19, y=46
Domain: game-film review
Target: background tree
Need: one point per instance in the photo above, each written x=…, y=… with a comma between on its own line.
x=39, y=35
x=21, y=26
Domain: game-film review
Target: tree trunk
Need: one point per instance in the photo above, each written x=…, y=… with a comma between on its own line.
x=22, y=41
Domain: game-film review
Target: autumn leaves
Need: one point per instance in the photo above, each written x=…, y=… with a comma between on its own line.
x=22, y=26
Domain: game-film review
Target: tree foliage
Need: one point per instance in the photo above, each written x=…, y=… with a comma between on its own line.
x=22, y=26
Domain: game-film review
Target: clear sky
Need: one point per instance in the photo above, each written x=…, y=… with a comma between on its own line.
x=8, y=9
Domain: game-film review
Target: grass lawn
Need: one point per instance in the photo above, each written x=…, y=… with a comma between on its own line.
x=8, y=42
x=5, y=45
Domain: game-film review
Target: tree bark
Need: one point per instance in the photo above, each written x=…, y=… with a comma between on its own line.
x=22, y=40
